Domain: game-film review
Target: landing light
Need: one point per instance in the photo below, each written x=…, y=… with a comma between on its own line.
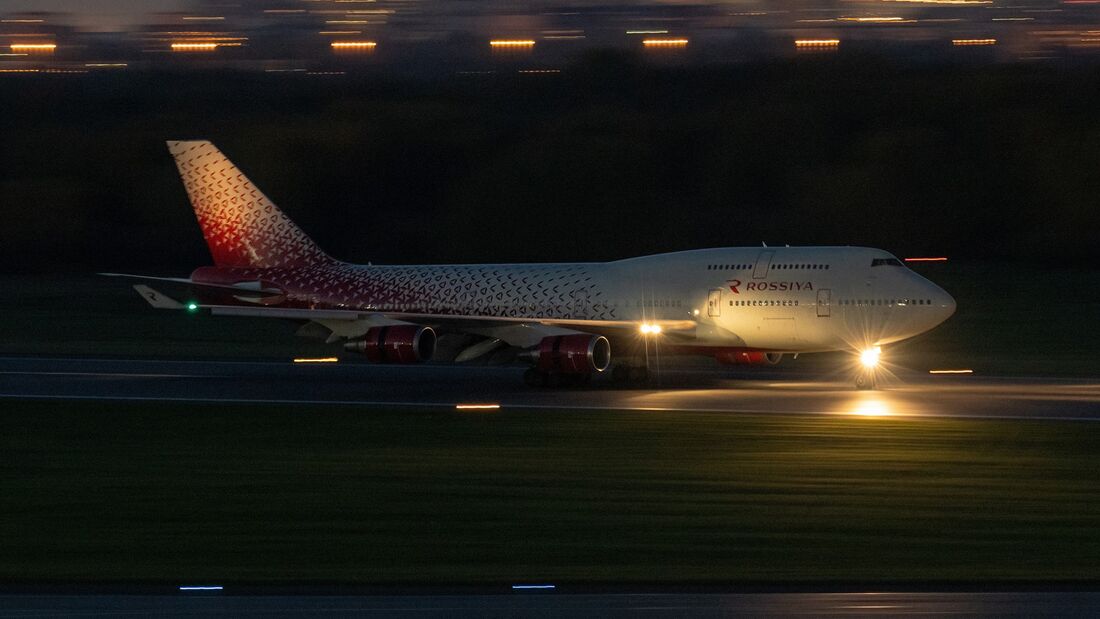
x=647, y=329
x=869, y=358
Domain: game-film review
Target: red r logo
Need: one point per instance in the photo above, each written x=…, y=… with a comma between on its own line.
x=734, y=283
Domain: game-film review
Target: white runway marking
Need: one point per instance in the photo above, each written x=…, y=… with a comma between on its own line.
x=108, y=374
x=515, y=406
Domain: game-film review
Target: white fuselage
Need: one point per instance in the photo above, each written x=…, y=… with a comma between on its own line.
x=796, y=299
x=711, y=302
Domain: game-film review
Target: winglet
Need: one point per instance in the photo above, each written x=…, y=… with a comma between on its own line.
x=157, y=299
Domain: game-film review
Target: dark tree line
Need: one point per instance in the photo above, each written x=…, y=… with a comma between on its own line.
x=610, y=158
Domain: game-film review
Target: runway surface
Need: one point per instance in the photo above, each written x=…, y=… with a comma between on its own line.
x=883, y=604
x=765, y=391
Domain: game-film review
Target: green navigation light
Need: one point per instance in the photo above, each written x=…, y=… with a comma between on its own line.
x=192, y=306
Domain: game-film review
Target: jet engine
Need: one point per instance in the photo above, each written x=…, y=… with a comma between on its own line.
x=578, y=353
x=396, y=344
x=748, y=357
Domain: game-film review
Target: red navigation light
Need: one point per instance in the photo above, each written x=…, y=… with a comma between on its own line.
x=934, y=259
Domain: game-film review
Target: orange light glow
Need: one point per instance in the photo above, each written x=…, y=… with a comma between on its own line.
x=511, y=43
x=477, y=407
x=194, y=47
x=316, y=360
x=873, y=19
x=353, y=46
x=934, y=259
x=950, y=371
x=665, y=42
x=942, y=1
x=969, y=42
x=33, y=47
x=816, y=43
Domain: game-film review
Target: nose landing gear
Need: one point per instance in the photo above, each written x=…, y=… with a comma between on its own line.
x=868, y=362
x=865, y=380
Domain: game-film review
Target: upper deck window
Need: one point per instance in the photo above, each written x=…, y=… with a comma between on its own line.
x=878, y=262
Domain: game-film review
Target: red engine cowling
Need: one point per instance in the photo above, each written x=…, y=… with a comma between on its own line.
x=573, y=354
x=396, y=344
x=748, y=357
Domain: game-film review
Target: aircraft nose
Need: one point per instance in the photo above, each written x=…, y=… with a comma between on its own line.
x=943, y=303
x=948, y=304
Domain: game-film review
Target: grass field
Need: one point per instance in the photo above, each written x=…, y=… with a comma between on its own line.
x=245, y=494
x=1012, y=320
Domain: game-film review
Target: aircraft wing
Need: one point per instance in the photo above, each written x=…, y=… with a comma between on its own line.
x=522, y=331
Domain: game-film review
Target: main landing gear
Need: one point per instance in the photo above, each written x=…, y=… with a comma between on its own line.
x=537, y=378
x=623, y=374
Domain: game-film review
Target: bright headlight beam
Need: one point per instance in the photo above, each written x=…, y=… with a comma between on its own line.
x=870, y=357
x=648, y=329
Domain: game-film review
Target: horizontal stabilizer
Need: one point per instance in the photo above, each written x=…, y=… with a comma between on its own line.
x=157, y=299
x=256, y=292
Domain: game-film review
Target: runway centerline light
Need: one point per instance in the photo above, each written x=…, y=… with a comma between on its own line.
x=870, y=357
x=477, y=407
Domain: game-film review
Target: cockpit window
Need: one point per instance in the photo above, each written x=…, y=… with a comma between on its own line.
x=878, y=262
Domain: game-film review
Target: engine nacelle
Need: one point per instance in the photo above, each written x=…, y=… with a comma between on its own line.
x=396, y=344
x=748, y=357
x=578, y=353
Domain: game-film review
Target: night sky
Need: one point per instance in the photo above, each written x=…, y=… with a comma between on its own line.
x=98, y=13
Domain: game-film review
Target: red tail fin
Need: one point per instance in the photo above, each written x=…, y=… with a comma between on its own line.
x=242, y=227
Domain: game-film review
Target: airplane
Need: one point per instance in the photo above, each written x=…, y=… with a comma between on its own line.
x=738, y=305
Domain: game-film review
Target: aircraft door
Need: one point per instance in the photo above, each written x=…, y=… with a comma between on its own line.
x=824, y=303
x=580, y=304
x=763, y=262
x=714, y=302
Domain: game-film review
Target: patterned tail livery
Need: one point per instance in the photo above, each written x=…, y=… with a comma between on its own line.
x=242, y=227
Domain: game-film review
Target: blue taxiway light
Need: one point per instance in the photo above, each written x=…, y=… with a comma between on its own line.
x=532, y=586
x=201, y=588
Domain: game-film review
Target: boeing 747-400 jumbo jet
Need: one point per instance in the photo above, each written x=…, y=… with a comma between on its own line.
x=739, y=305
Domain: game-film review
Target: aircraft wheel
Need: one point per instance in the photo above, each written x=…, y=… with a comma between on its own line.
x=534, y=378
x=620, y=374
